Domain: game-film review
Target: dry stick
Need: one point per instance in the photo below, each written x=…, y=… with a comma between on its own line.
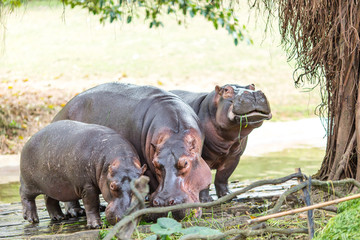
x=244, y=233
x=226, y=198
x=140, y=188
x=283, y=196
x=303, y=209
x=310, y=216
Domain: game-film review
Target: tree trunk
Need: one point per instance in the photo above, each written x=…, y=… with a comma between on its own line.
x=342, y=153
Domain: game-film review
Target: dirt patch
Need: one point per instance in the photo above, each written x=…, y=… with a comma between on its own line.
x=24, y=110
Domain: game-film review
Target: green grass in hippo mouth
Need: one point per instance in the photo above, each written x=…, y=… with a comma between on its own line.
x=241, y=117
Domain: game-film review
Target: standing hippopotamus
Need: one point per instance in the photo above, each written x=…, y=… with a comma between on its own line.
x=69, y=160
x=164, y=130
x=227, y=115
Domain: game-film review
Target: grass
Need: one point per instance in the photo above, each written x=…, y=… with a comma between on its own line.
x=9, y=192
x=47, y=45
x=345, y=225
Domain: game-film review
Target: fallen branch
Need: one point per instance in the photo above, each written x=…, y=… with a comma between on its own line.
x=303, y=209
x=283, y=196
x=244, y=233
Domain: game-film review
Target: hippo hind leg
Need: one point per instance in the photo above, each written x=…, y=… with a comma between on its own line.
x=53, y=209
x=28, y=204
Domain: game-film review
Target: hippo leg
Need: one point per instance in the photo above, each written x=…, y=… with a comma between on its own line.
x=91, y=203
x=28, y=203
x=222, y=176
x=73, y=209
x=53, y=209
x=204, y=196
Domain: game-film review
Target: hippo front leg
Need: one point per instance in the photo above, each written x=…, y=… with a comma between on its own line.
x=91, y=202
x=204, y=196
x=222, y=176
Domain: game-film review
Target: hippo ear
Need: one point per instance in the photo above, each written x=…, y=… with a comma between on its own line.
x=251, y=87
x=218, y=90
x=218, y=93
x=192, y=143
x=114, y=166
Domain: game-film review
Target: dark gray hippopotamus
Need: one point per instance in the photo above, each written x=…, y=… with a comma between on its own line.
x=228, y=115
x=164, y=130
x=69, y=160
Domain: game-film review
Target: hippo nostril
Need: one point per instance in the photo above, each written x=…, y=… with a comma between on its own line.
x=171, y=201
x=156, y=203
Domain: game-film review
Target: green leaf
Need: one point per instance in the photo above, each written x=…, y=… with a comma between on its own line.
x=205, y=231
x=128, y=20
x=168, y=223
x=152, y=237
x=156, y=228
x=236, y=41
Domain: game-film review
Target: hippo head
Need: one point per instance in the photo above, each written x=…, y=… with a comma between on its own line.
x=117, y=190
x=241, y=105
x=180, y=170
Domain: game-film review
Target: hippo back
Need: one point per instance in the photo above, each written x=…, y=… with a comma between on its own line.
x=192, y=98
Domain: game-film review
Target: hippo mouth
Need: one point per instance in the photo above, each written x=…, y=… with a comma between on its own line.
x=252, y=117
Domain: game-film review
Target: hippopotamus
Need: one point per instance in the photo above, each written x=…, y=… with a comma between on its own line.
x=228, y=115
x=69, y=160
x=164, y=130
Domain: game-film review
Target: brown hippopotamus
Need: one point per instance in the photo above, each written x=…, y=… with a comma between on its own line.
x=164, y=130
x=227, y=115
x=69, y=160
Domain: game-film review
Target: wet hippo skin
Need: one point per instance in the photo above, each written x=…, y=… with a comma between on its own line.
x=69, y=160
x=164, y=130
x=221, y=112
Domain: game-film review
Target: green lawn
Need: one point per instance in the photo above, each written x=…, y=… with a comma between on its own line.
x=44, y=43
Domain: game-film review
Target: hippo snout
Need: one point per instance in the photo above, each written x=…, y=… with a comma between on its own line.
x=115, y=210
x=249, y=101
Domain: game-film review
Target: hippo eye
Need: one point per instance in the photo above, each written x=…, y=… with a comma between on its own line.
x=183, y=163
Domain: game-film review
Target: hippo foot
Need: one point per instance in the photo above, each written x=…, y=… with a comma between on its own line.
x=206, y=199
x=57, y=216
x=94, y=224
x=204, y=196
x=75, y=212
x=31, y=216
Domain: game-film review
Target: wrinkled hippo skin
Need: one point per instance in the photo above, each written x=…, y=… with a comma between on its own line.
x=221, y=112
x=164, y=130
x=69, y=160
